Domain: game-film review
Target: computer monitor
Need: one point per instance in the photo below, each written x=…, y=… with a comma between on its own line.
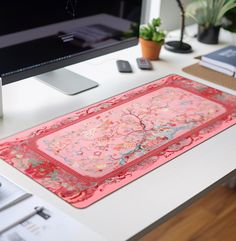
x=44, y=35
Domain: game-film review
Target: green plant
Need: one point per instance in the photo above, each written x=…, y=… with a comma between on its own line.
x=209, y=12
x=132, y=32
x=152, y=31
x=229, y=20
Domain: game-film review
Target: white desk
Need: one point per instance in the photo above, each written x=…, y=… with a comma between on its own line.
x=146, y=201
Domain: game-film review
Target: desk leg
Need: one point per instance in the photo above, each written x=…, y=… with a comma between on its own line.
x=1, y=108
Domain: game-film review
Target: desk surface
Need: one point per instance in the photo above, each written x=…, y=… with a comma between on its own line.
x=144, y=202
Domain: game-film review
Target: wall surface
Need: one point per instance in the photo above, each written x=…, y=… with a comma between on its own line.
x=151, y=9
x=170, y=14
x=168, y=10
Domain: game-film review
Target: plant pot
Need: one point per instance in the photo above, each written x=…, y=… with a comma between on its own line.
x=208, y=35
x=150, y=49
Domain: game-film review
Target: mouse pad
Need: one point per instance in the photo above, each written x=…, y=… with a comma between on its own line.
x=85, y=155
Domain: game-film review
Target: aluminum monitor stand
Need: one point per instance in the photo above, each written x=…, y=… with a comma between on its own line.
x=63, y=80
x=67, y=82
x=1, y=108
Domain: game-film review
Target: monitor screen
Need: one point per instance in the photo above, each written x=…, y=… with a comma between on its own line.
x=43, y=35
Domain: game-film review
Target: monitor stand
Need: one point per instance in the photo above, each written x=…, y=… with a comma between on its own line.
x=67, y=82
x=1, y=110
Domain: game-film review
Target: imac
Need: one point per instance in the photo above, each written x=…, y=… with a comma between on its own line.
x=39, y=37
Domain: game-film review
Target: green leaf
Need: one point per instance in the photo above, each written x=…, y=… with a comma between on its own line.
x=156, y=22
x=209, y=12
x=152, y=31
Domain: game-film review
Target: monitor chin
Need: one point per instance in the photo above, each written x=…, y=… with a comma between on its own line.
x=58, y=79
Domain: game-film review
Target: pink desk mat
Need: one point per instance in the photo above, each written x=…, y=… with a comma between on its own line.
x=87, y=154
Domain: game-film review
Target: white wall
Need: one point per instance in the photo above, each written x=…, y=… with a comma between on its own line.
x=151, y=9
x=168, y=10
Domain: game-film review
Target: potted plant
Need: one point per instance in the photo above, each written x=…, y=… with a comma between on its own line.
x=208, y=14
x=151, y=39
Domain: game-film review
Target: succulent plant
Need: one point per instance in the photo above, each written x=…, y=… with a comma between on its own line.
x=152, y=31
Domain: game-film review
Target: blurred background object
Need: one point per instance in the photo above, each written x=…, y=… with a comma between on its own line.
x=208, y=14
x=229, y=20
x=179, y=46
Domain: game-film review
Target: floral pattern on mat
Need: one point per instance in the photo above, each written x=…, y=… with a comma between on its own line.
x=103, y=143
x=87, y=154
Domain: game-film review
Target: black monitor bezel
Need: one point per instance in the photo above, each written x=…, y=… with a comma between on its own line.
x=55, y=64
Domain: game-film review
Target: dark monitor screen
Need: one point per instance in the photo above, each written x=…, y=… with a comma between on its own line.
x=43, y=35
